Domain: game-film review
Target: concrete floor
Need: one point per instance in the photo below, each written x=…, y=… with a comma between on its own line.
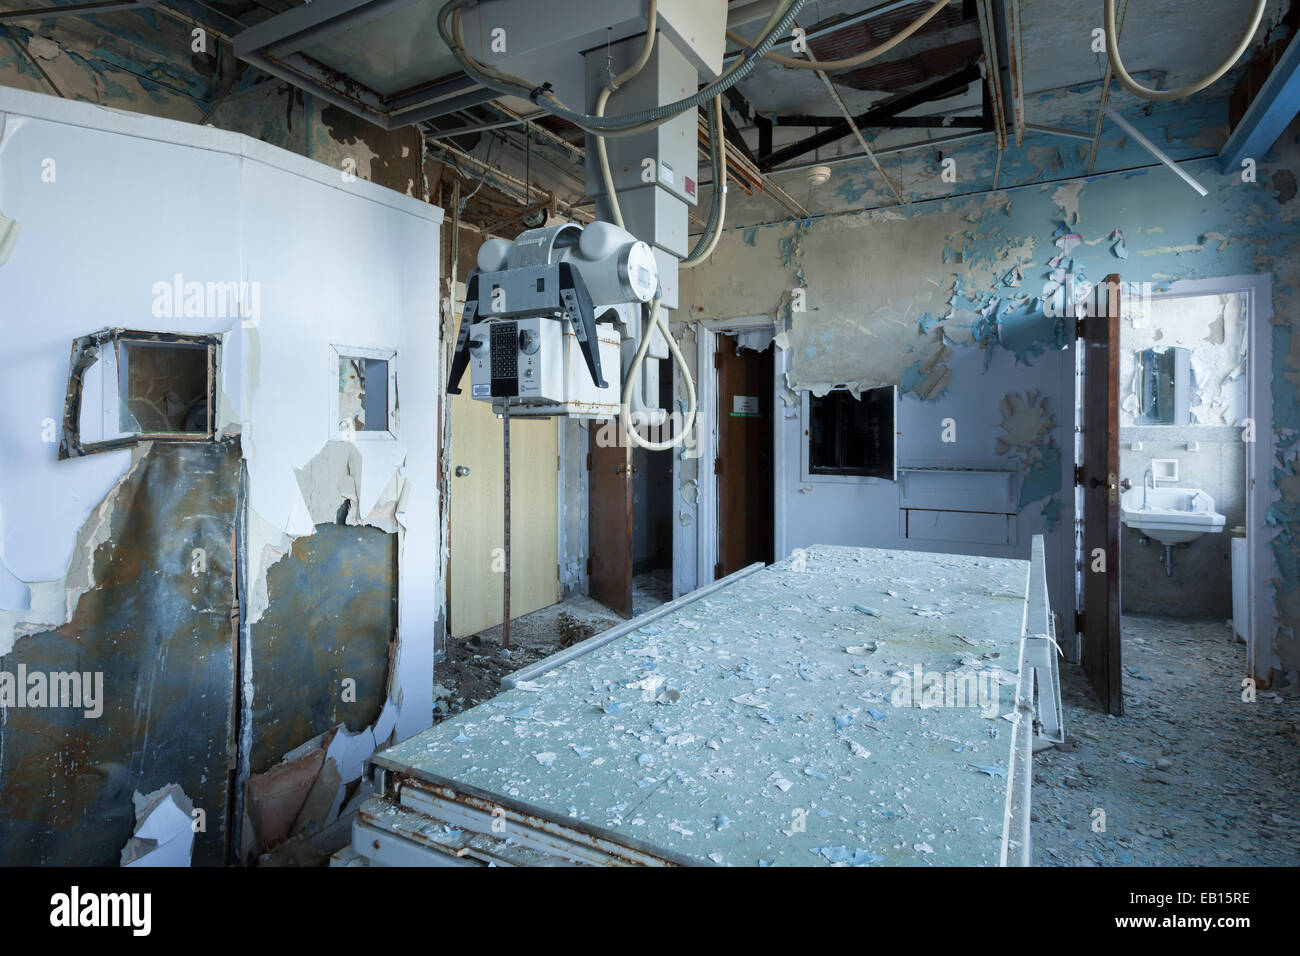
x=1190, y=776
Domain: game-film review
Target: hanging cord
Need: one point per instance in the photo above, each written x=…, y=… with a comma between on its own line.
x=1137, y=89
x=656, y=321
x=652, y=20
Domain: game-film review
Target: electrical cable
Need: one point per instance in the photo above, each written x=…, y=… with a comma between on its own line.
x=542, y=95
x=1146, y=93
x=657, y=322
x=703, y=249
x=652, y=20
x=718, y=207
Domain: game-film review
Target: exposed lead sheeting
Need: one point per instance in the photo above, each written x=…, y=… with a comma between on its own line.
x=322, y=647
x=166, y=687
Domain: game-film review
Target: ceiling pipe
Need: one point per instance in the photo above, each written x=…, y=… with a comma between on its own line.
x=992, y=69
x=1017, y=69
x=1058, y=131
x=1155, y=151
x=1105, y=95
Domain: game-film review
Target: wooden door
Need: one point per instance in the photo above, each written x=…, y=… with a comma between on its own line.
x=609, y=517
x=477, y=501
x=1097, y=494
x=744, y=461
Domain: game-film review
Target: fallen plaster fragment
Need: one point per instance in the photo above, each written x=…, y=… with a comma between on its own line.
x=319, y=805
x=275, y=798
x=164, y=830
x=350, y=752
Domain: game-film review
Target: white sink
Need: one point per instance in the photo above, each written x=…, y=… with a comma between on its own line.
x=1170, y=515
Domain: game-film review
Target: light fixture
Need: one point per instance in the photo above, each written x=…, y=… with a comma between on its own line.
x=8, y=236
x=817, y=175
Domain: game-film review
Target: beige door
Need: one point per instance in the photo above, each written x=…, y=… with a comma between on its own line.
x=477, y=510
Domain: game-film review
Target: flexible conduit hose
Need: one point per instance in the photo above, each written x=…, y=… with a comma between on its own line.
x=449, y=29
x=703, y=249
x=848, y=63
x=652, y=20
x=1137, y=89
x=657, y=322
x=718, y=207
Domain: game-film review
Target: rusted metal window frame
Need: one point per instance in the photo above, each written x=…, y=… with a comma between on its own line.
x=86, y=351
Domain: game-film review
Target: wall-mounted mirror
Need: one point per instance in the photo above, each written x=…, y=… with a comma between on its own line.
x=1162, y=380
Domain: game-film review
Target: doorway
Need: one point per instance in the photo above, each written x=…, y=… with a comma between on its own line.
x=1191, y=430
x=652, y=505
x=744, y=462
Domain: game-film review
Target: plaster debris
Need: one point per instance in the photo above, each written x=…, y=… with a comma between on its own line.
x=164, y=829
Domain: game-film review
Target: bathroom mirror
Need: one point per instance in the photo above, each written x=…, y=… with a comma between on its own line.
x=1162, y=380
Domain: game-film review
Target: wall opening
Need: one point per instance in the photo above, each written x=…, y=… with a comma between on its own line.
x=364, y=402
x=125, y=387
x=850, y=435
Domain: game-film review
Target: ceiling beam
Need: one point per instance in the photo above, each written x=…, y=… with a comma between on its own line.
x=68, y=10
x=857, y=133
x=1273, y=108
x=733, y=135
x=899, y=104
x=890, y=122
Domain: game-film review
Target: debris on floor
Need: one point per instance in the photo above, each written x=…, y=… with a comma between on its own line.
x=1191, y=775
x=299, y=812
x=472, y=670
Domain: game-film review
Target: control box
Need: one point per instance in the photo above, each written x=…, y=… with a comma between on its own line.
x=536, y=363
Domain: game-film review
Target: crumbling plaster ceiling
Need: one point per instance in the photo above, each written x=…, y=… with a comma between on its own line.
x=1177, y=38
x=1061, y=70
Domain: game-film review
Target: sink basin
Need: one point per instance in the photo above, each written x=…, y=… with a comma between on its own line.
x=1171, y=515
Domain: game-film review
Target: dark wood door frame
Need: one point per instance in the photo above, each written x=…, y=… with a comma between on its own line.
x=745, y=462
x=1097, y=476
x=609, y=518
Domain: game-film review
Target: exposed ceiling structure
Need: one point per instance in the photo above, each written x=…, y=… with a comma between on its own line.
x=979, y=70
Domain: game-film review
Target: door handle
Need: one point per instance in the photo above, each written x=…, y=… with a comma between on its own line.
x=462, y=471
x=1126, y=484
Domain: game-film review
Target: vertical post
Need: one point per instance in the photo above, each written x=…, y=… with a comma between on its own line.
x=505, y=620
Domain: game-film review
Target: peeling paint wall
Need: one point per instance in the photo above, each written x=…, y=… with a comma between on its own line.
x=154, y=641
x=1213, y=329
x=144, y=61
x=946, y=300
x=136, y=60
x=162, y=203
